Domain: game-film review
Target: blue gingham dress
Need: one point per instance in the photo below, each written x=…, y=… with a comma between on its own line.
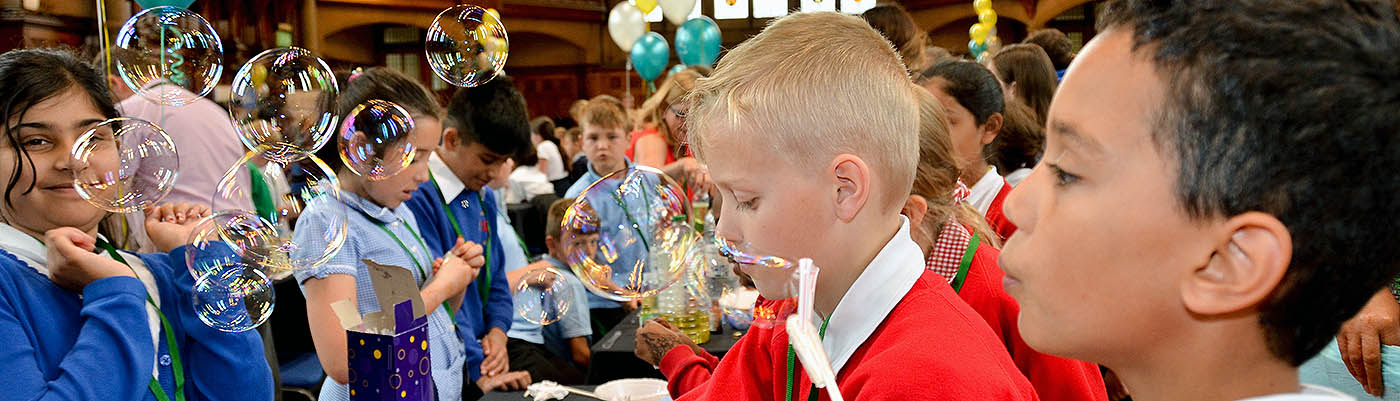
x=364, y=240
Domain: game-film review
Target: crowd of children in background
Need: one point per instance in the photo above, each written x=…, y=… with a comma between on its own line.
x=1185, y=221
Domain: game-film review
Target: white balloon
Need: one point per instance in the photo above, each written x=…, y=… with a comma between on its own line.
x=677, y=11
x=626, y=24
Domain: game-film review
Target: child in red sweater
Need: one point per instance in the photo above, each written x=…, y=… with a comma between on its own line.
x=1208, y=211
x=961, y=249
x=812, y=143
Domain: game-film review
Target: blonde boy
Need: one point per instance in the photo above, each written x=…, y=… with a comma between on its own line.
x=812, y=145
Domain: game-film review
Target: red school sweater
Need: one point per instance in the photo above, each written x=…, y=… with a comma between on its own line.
x=1054, y=378
x=931, y=346
x=996, y=218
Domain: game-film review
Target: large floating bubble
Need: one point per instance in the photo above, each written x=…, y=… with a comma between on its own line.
x=627, y=235
x=315, y=180
x=124, y=165
x=232, y=236
x=282, y=103
x=466, y=45
x=374, y=140
x=169, y=55
x=235, y=297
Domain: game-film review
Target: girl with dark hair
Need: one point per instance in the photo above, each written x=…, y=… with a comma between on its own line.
x=1026, y=75
x=79, y=318
x=972, y=99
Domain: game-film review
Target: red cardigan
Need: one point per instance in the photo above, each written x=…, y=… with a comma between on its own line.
x=996, y=218
x=931, y=346
x=1054, y=378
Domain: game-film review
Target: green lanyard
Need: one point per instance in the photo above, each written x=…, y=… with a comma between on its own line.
x=965, y=264
x=445, y=305
x=484, y=280
x=177, y=368
x=792, y=363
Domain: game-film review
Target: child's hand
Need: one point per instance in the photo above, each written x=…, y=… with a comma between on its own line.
x=509, y=381
x=169, y=225
x=658, y=337
x=1360, y=340
x=72, y=263
x=470, y=252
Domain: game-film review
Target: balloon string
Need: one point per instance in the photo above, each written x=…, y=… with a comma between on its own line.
x=103, y=38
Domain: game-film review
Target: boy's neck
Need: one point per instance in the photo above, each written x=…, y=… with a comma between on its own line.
x=974, y=173
x=1215, y=367
x=601, y=171
x=833, y=282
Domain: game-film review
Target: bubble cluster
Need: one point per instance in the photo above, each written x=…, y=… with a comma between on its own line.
x=233, y=297
x=124, y=165
x=374, y=139
x=466, y=45
x=229, y=237
x=315, y=180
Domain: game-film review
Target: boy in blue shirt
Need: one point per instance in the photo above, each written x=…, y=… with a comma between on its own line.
x=558, y=351
x=484, y=126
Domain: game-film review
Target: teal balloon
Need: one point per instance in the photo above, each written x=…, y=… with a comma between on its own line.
x=676, y=69
x=976, y=48
x=158, y=3
x=698, y=41
x=650, y=55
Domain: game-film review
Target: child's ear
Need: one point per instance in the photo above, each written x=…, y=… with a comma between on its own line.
x=852, y=178
x=991, y=128
x=915, y=208
x=551, y=243
x=1246, y=265
x=449, y=139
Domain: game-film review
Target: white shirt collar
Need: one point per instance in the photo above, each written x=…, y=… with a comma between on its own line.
x=872, y=296
x=447, y=181
x=985, y=190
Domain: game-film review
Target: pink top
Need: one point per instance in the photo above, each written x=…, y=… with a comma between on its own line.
x=206, y=142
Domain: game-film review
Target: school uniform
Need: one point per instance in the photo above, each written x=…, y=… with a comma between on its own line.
x=446, y=209
x=987, y=196
x=1307, y=393
x=389, y=237
x=108, y=341
x=973, y=273
x=899, y=333
x=536, y=348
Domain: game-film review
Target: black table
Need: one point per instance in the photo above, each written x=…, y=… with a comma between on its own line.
x=520, y=395
x=614, y=356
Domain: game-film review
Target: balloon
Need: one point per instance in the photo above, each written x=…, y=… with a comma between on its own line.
x=984, y=57
x=976, y=48
x=993, y=45
x=677, y=11
x=978, y=32
x=494, y=13
x=988, y=17
x=698, y=41
x=646, y=6
x=649, y=56
x=676, y=69
x=981, y=5
x=158, y=3
x=169, y=55
x=626, y=24
x=466, y=45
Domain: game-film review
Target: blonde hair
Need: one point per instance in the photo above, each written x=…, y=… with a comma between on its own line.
x=673, y=91
x=937, y=175
x=604, y=113
x=810, y=98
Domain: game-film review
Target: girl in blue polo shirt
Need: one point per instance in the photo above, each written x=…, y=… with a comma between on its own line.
x=80, y=320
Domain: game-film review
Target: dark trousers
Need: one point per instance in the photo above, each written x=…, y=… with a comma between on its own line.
x=541, y=363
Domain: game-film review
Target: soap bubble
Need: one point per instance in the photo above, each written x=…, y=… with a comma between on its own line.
x=466, y=45
x=374, y=139
x=315, y=180
x=627, y=235
x=235, y=297
x=231, y=236
x=169, y=55
x=282, y=103
x=124, y=165
x=543, y=296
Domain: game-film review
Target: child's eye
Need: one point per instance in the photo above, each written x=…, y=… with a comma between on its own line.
x=1062, y=177
x=32, y=143
x=750, y=204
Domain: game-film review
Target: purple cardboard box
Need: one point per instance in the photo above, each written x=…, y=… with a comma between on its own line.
x=388, y=353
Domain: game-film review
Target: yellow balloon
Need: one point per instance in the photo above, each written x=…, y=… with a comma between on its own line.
x=981, y=5
x=978, y=32
x=494, y=13
x=988, y=17
x=646, y=6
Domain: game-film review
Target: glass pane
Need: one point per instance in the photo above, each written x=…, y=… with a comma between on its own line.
x=769, y=8
x=822, y=5
x=856, y=6
x=731, y=9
